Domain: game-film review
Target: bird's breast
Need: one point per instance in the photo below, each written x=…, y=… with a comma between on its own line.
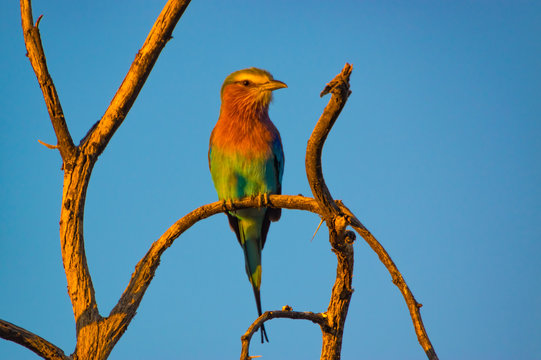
x=249, y=139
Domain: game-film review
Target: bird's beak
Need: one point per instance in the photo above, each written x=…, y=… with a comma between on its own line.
x=273, y=85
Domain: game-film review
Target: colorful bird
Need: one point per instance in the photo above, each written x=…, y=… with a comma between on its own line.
x=246, y=158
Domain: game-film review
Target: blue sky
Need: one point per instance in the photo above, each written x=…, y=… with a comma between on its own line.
x=437, y=152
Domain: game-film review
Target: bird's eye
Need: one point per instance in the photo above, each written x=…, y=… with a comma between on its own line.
x=246, y=82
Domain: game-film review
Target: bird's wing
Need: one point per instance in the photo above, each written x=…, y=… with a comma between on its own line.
x=209, y=155
x=278, y=160
x=234, y=223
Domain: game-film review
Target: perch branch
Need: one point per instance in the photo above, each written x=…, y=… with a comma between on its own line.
x=31, y=341
x=144, y=271
x=413, y=306
x=284, y=314
x=98, y=137
x=125, y=309
x=36, y=55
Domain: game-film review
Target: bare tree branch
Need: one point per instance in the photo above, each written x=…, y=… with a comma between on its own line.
x=318, y=318
x=125, y=309
x=341, y=292
x=35, y=53
x=144, y=271
x=99, y=136
x=335, y=211
x=339, y=87
x=31, y=341
x=413, y=306
x=76, y=176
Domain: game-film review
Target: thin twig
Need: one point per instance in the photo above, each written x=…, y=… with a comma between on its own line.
x=48, y=146
x=31, y=341
x=317, y=229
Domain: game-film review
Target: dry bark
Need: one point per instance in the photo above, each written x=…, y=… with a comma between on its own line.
x=31, y=341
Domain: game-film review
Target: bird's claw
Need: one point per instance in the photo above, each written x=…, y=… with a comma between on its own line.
x=227, y=205
x=263, y=200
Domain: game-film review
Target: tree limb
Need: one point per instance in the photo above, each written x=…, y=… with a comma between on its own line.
x=36, y=55
x=145, y=269
x=124, y=311
x=31, y=341
x=341, y=292
x=318, y=318
x=413, y=306
x=339, y=87
x=98, y=137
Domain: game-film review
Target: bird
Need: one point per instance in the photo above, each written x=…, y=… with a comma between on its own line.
x=246, y=158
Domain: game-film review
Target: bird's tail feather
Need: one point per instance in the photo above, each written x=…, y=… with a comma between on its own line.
x=252, y=254
x=249, y=233
x=258, y=303
x=253, y=269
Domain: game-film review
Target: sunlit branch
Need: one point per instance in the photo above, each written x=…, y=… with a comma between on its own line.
x=413, y=306
x=316, y=318
x=36, y=55
x=337, y=310
x=339, y=87
x=31, y=341
x=146, y=267
x=98, y=137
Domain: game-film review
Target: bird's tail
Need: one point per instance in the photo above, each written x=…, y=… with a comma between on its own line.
x=252, y=245
x=258, y=303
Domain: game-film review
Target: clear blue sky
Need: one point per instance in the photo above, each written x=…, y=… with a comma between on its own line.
x=437, y=152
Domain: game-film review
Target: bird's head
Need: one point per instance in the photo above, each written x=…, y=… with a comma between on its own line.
x=249, y=89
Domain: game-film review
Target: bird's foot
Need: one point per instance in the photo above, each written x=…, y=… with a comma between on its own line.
x=227, y=205
x=263, y=200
